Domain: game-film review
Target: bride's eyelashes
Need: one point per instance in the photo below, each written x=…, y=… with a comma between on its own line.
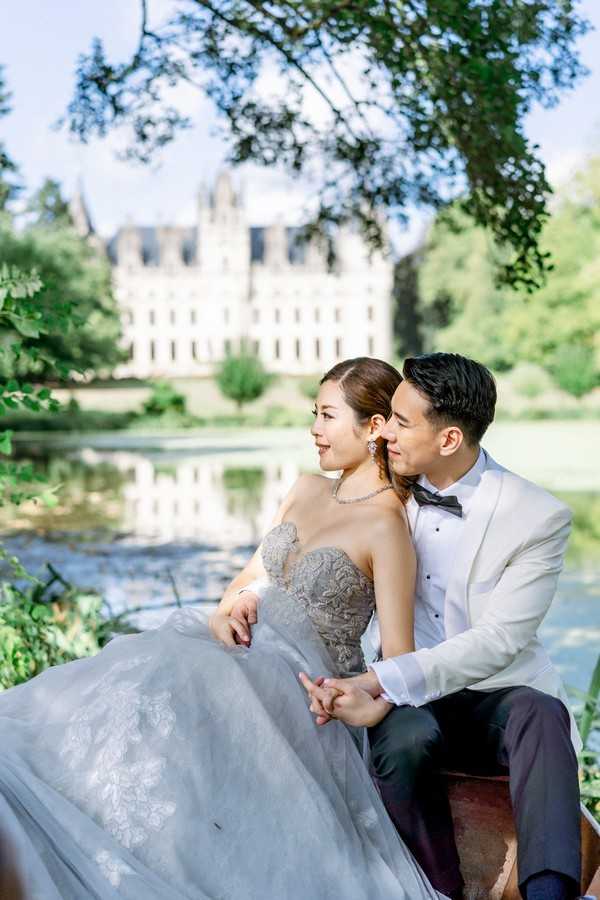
x=325, y=415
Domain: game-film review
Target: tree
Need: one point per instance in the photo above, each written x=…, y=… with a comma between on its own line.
x=558, y=327
x=384, y=105
x=10, y=186
x=242, y=379
x=48, y=206
x=76, y=282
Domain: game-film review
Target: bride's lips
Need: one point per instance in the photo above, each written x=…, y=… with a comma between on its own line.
x=393, y=452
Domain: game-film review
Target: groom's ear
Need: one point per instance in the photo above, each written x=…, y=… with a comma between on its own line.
x=451, y=439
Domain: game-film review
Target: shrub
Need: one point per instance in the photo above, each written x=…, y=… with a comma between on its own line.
x=242, y=379
x=574, y=368
x=164, y=399
x=38, y=630
x=309, y=386
x=530, y=380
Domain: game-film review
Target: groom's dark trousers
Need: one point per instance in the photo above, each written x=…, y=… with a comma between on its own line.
x=516, y=731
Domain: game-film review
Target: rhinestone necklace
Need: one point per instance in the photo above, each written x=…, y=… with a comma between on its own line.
x=336, y=488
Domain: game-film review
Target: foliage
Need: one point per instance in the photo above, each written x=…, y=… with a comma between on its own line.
x=10, y=187
x=74, y=298
x=21, y=319
x=589, y=724
x=383, y=105
x=558, y=327
x=309, y=386
x=242, y=378
x=530, y=380
x=47, y=206
x=164, y=399
x=408, y=321
x=575, y=368
x=39, y=629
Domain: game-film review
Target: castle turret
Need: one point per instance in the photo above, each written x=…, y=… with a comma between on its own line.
x=223, y=235
x=169, y=246
x=129, y=247
x=276, y=245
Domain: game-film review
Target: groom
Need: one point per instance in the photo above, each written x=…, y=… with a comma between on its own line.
x=479, y=694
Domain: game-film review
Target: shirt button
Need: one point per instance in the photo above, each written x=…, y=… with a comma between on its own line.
x=437, y=615
x=437, y=529
x=428, y=577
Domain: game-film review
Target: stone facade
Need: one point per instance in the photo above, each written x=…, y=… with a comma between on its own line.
x=189, y=296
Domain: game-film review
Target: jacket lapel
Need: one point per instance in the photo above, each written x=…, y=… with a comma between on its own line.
x=485, y=499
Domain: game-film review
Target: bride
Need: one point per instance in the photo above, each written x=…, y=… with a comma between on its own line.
x=183, y=762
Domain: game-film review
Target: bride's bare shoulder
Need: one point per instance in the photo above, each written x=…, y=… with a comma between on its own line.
x=308, y=484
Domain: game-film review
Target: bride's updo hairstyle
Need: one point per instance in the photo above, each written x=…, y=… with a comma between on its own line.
x=368, y=385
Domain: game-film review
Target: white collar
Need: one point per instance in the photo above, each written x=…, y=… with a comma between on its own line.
x=465, y=487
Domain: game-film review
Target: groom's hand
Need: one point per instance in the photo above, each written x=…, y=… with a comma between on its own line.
x=344, y=699
x=245, y=611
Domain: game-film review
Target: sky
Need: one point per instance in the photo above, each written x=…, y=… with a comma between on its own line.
x=39, y=44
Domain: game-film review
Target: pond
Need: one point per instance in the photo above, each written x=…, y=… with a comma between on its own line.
x=152, y=520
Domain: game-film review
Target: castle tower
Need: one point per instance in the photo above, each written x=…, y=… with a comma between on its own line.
x=169, y=246
x=129, y=247
x=276, y=246
x=223, y=235
x=80, y=216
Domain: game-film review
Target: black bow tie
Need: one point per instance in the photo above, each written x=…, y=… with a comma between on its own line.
x=428, y=498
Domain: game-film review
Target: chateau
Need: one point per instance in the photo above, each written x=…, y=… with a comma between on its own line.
x=190, y=296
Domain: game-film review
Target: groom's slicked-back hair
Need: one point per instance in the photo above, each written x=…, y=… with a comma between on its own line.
x=460, y=391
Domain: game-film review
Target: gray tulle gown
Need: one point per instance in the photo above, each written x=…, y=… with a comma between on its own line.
x=170, y=766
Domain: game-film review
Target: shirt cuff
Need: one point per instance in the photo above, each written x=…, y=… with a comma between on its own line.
x=402, y=680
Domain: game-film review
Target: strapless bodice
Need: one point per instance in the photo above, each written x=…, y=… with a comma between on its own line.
x=337, y=596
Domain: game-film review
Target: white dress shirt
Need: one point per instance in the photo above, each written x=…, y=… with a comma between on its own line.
x=436, y=535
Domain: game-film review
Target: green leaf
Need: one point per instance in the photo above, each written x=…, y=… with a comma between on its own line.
x=6, y=442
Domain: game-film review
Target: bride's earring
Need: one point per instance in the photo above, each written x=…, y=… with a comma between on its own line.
x=372, y=448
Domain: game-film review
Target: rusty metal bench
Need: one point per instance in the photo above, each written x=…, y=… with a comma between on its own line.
x=487, y=844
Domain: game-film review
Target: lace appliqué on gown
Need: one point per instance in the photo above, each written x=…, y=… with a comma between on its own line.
x=97, y=742
x=112, y=868
x=328, y=586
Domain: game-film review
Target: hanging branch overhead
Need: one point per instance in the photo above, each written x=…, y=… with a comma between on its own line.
x=384, y=105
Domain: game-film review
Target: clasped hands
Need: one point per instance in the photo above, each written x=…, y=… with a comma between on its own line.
x=354, y=701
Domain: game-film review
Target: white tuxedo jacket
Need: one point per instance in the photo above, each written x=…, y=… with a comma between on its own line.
x=504, y=577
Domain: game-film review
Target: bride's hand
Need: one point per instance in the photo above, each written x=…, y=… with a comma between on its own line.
x=245, y=610
x=226, y=628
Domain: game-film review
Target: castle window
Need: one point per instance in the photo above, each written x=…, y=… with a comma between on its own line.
x=298, y=348
x=338, y=347
x=226, y=315
x=226, y=346
x=277, y=348
x=256, y=347
x=337, y=314
x=278, y=315
x=152, y=317
x=152, y=350
x=371, y=345
x=255, y=315
x=297, y=315
x=317, y=348
x=192, y=316
x=173, y=351
x=130, y=351
x=194, y=350
x=172, y=316
x=370, y=313
x=317, y=314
